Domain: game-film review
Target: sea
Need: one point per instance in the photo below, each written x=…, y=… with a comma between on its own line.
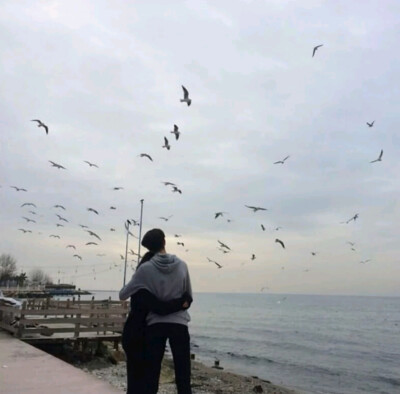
x=311, y=343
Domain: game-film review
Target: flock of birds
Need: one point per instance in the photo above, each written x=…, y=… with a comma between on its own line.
x=95, y=238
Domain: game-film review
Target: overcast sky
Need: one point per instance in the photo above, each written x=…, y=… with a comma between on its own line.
x=106, y=78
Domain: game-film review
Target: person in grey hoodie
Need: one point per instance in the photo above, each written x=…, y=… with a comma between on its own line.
x=167, y=278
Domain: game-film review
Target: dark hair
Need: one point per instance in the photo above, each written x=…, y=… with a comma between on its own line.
x=154, y=240
x=148, y=256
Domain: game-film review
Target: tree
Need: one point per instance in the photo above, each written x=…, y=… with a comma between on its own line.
x=21, y=278
x=38, y=277
x=8, y=267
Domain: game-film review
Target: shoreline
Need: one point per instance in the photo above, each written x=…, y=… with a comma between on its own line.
x=205, y=379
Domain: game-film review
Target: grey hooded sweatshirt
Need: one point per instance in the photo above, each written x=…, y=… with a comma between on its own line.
x=167, y=277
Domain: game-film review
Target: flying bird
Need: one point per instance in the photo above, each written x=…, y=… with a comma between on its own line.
x=315, y=49
x=177, y=235
x=28, y=204
x=41, y=124
x=28, y=220
x=59, y=225
x=59, y=206
x=71, y=246
x=166, y=144
x=282, y=161
x=255, y=209
x=277, y=228
x=223, y=250
x=168, y=183
x=113, y=208
x=186, y=98
x=93, y=234
x=24, y=231
x=118, y=188
x=263, y=228
x=176, y=132
x=91, y=164
x=19, y=189
x=280, y=242
x=371, y=124
x=223, y=245
x=112, y=229
x=54, y=236
x=122, y=257
x=165, y=219
x=92, y=210
x=218, y=214
x=213, y=261
x=379, y=158
x=83, y=226
x=59, y=166
x=180, y=243
x=176, y=190
x=61, y=218
x=91, y=243
x=355, y=217
x=351, y=243
x=253, y=257
x=364, y=261
x=77, y=256
x=146, y=155
x=314, y=253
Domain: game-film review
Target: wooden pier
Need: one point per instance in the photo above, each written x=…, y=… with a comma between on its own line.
x=52, y=321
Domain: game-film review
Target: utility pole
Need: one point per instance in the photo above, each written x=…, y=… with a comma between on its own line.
x=140, y=228
x=127, y=224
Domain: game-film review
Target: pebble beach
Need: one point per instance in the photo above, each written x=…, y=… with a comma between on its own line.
x=205, y=379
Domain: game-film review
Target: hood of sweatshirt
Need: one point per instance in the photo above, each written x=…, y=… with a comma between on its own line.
x=166, y=263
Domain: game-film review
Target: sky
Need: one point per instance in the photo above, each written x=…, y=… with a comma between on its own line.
x=106, y=79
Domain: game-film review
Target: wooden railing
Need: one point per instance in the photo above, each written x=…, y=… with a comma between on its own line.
x=70, y=318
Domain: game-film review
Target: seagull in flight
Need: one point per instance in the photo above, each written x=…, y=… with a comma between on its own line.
x=168, y=183
x=146, y=155
x=351, y=243
x=28, y=220
x=118, y=188
x=176, y=190
x=180, y=243
x=59, y=166
x=277, y=228
x=177, y=235
x=282, y=161
x=364, y=261
x=59, y=206
x=54, y=236
x=165, y=219
x=41, y=124
x=223, y=245
x=213, y=261
x=314, y=253
x=93, y=234
x=26, y=204
x=255, y=209
x=92, y=210
x=262, y=227
x=218, y=214
x=24, y=231
x=186, y=98
x=253, y=257
x=316, y=48
x=71, y=246
x=91, y=164
x=379, y=158
x=114, y=208
x=112, y=229
x=371, y=124
x=223, y=250
x=61, y=218
x=18, y=189
x=83, y=226
x=355, y=217
x=91, y=243
x=176, y=132
x=77, y=256
x=59, y=225
x=280, y=242
x=166, y=144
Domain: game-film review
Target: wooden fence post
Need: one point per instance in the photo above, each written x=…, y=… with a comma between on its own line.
x=22, y=316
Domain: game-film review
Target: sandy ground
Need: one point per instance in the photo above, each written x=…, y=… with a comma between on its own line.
x=205, y=380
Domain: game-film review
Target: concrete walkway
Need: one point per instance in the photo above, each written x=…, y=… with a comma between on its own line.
x=25, y=369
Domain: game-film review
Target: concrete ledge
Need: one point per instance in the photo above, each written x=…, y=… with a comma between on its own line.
x=25, y=369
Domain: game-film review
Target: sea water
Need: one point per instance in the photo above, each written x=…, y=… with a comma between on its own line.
x=315, y=344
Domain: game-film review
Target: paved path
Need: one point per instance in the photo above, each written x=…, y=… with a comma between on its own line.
x=25, y=369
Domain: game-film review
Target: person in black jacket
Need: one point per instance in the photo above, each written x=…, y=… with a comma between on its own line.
x=142, y=302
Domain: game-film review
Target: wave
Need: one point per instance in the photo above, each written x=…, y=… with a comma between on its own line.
x=392, y=381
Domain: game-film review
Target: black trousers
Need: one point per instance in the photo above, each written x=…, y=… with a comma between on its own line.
x=156, y=336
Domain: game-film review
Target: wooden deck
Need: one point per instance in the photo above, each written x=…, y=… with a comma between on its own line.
x=26, y=369
x=52, y=321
